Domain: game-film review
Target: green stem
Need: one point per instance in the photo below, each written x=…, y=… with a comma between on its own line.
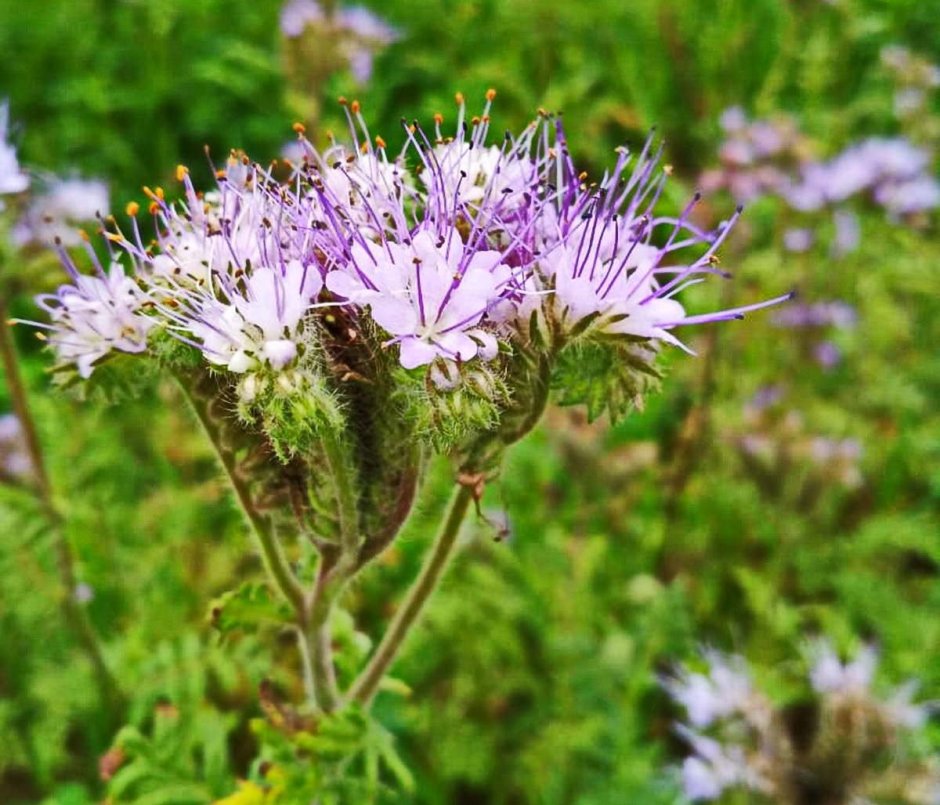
x=336, y=455
x=316, y=628
x=74, y=614
x=365, y=686
x=261, y=526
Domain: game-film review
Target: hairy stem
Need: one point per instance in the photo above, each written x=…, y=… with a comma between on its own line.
x=75, y=616
x=261, y=526
x=316, y=627
x=337, y=461
x=365, y=686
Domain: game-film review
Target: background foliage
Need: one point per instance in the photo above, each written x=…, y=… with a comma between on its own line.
x=533, y=678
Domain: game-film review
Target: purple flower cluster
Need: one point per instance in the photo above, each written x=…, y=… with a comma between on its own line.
x=916, y=80
x=816, y=314
x=358, y=32
x=56, y=213
x=894, y=171
x=750, y=746
x=454, y=249
x=772, y=158
x=757, y=156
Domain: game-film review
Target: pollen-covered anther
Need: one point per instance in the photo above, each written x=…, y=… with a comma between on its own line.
x=490, y=94
x=181, y=172
x=341, y=100
x=132, y=208
x=354, y=107
x=668, y=170
x=459, y=99
x=438, y=118
x=379, y=142
x=299, y=128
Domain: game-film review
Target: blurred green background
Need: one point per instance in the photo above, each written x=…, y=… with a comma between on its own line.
x=705, y=519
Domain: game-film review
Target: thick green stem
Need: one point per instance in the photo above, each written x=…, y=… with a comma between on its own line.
x=312, y=612
x=364, y=688
x=74, y=615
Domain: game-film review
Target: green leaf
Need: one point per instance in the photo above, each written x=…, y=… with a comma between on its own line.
x=248, y=608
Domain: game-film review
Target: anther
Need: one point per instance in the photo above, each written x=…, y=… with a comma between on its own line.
x=132, y=208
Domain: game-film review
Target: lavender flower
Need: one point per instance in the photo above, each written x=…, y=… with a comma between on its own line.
x=356, y=31
x=827, y=354
x=713, y=768
x=96, y=315
x=850, y=680
x=54, y=215
x=752, y=745
x=848, y=233
x=447, y=269
x=15, y=463
x=12, y=177
x=816, y=314
x=429, y=297
x=893, y=169
x=798, y=240
x=298, y=14
x=915, y=195
x=726, y=689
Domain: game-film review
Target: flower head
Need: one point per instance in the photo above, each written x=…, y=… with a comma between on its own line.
x=95, y=315
x=54, y=214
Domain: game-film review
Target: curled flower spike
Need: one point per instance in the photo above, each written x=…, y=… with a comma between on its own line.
x=96, y=315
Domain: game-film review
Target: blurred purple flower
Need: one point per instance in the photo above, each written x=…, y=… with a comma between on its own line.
x=919, y=194
x=827, y=354
x=56, y=214
x=816, y=314
x=15, y=462
x=848, y=232
x=12, y=177
x=765, y=397
x=298, y=14
x=798, y=240
x=364, y=24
